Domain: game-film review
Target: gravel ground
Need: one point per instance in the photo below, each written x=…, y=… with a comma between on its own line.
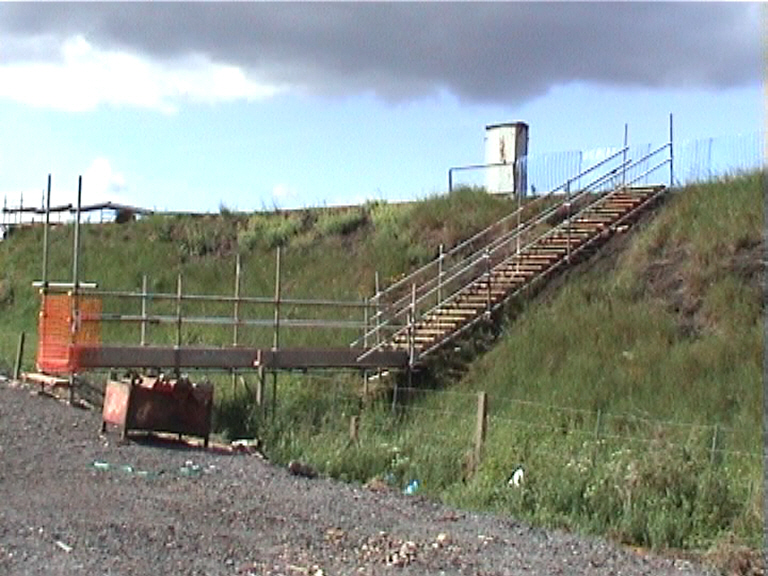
x=180, y=510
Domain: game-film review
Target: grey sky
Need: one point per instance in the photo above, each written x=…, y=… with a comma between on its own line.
x=481, y=52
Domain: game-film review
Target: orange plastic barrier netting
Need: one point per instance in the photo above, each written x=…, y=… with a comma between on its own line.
x=58, y=334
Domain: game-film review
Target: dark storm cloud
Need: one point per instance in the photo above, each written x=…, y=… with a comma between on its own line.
x=491, y=52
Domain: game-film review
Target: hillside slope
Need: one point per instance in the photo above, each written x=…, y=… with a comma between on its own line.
x=628, y=392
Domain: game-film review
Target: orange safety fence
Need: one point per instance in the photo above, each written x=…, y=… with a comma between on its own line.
x=58, y=334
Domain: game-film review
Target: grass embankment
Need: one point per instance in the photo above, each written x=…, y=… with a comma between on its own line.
x=326, y=254
x=630, y=395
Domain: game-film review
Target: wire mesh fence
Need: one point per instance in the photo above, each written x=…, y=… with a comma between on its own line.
x=710, y=158
x=451, y=420
x=694, y=161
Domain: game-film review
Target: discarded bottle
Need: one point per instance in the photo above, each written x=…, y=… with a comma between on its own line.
x=100, y=465
x=412, y=488
x=190, y=470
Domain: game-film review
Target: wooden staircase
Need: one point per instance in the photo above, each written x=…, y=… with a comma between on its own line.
x=507, y=274
x=446, y=297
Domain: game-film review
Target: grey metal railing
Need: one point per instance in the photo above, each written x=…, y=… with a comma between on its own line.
x=442, y=286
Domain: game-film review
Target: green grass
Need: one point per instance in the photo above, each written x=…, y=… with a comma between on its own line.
x=610, y=389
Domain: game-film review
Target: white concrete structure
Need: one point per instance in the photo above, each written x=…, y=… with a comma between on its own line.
x=506, y=144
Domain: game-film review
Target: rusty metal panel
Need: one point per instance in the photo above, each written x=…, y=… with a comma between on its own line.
x=159, y=405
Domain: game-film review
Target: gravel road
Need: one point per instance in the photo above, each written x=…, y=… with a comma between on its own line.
x=165, y=509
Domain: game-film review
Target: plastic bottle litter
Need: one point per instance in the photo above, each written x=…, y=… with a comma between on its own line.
x=124, y=468
x=190, y=469
x=412, y=488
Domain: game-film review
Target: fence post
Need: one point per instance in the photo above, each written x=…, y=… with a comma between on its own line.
x=354, y=429
x=713, y=450
x=482, y=426
x=19, y=356
x=274, y=394
x=598, y=424
x=260, y=387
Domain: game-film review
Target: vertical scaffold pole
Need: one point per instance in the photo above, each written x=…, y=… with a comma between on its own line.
x=75, y=312
x=178, y=311
x=236, y=328
x=236, y=316
x=276, y=333
x=45, y=237
x=143, y=340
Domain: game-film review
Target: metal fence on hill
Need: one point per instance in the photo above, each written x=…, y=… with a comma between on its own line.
x=694, y=161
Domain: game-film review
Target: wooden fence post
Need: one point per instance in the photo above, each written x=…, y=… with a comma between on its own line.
x=713, y=451
x=260, y=387
x=354, y=429
x=482, y=426
x=19, y=355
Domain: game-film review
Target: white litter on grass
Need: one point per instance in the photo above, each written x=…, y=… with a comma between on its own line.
x=63, y=546
x=517, y=478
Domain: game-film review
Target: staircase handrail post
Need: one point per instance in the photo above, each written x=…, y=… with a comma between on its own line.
x=487, y=258
x=624, y=170
x=671, y=155
x=377, y=298
x=411, y=322
x=568, y=221
x=441, y=257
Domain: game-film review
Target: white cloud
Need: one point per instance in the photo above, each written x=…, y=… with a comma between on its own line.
x=101, y=183
x=84, y=77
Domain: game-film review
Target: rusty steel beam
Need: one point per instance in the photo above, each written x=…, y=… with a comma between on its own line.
x=233, y=357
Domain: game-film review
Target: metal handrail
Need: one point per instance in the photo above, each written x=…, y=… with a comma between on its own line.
x=626, y=166
x=426, y=289
x=408, y=280
x=546, y=214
